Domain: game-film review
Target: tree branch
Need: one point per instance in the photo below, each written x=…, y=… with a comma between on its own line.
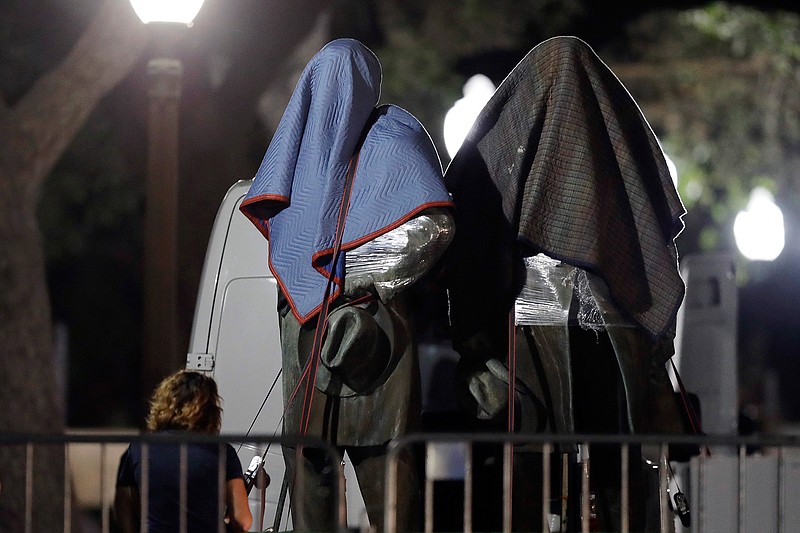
x=47, y=118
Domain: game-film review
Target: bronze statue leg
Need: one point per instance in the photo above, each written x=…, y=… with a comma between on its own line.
x=312, y=489
x=548, y=350
x=369, y=463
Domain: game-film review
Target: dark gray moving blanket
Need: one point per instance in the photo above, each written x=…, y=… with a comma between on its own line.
x=561, y=161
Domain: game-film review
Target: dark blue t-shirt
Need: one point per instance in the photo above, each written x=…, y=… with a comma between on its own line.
x=163, y=511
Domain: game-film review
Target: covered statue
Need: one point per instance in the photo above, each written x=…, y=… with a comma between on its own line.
x=350, y=196
x=563, y=277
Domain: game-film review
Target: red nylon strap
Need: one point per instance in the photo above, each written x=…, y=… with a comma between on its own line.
x=511, y=364
x=694, y=420
x=310, y=373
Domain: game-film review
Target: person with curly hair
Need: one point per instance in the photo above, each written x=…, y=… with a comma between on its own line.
x=186, y=401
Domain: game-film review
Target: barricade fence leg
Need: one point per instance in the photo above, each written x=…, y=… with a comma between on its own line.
x=625, y=457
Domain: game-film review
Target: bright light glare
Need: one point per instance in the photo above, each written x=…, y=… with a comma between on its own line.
x=459, y=120
x=673, y=170
x=759, y=230
x=182, y=11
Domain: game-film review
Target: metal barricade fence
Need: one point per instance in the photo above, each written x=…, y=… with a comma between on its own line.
x=745, y=484
x=26, y=450
x=731, y=493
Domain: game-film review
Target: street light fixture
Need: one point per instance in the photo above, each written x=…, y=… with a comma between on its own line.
x=459, y=119
x=161, y=355
x=179, y=11
x=759, y=230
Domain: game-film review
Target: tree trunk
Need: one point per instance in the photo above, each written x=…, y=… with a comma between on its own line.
x=33, y=136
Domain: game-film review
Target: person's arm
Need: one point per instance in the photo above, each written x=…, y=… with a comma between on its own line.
x=126, y=509
x=127, y=506
x=238, y=516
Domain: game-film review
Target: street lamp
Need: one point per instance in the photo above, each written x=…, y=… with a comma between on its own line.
x=460, y=117
x=179, y=11
x=759, y=229
x=161, y=354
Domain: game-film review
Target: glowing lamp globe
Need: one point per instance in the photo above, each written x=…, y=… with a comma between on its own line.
x=759, y=229
x=178, y=11
x=459, y=119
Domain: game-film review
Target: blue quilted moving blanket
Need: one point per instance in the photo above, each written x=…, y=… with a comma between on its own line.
x=296, y=194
